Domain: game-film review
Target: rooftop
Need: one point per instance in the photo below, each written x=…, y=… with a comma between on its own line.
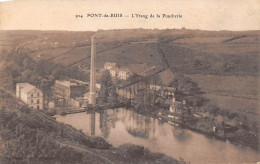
x=125, y=69
x=110, y=64
x=71, y=82
x=27, y=88
x=21, y=84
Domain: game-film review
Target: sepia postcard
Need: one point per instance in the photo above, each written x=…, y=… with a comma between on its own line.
x=120, y=81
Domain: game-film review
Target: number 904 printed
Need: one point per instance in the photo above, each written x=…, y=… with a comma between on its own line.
x=99, y=15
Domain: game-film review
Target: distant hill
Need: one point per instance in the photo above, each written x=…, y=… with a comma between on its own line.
x=225, y=64
x=183, y=51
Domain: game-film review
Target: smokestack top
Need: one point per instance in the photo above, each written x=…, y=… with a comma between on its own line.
x=93, y=40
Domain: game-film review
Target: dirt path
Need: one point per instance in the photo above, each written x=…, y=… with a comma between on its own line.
x=106, y=160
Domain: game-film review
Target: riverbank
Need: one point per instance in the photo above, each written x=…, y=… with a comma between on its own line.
x=243, y=138
x=201, y=125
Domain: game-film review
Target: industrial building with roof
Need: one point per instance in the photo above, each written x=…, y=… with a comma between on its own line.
x=30, y=95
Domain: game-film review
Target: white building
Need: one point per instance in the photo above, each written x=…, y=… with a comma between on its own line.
x=124, y=73
x=109, y=65
x=113, y=72
x=30, y=95
x=155, y=87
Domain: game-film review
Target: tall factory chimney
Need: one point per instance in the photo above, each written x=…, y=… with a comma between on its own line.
x=92, y=94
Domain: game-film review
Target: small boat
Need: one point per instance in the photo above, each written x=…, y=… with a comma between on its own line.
x=174, y=124
x=177, y=125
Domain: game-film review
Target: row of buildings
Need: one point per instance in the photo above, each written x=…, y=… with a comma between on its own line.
x=126, y=71
x=75, y=93
x=69, y=93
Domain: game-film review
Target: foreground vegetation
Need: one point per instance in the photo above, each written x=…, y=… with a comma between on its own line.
x=30, y=136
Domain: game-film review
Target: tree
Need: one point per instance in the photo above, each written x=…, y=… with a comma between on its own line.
x=103, y=95
x=113, y=95
x=184, y=86
x=106, y=84
x=6, y=80
x=44, y=68
x=26, y=75
x=139, y=101
x=58, y=73
x=28, y=63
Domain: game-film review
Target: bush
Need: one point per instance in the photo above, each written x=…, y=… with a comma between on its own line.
x=100, y=143
x=212, y=109
x=195, y=101
x=132, y=151
x=232, y=115
x=25, y=109
x=152, y=156
x=63, y=113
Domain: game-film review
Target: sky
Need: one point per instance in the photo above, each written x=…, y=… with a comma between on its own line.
x=235, y=15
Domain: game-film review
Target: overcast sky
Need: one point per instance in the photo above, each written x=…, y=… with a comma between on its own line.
x=196, y=14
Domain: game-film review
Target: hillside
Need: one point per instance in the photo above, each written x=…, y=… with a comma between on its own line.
x=30, y=136
x=187, y=51
x=225, y=64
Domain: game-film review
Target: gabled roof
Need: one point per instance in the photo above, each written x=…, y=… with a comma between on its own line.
x=115, y=69
x=110, y=64
x=170, y=89
x=125, y=69
x=21, y=84
x=27, y=88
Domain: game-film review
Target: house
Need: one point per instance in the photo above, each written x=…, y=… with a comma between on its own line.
x=154, y=87
x=98, y=87
x=174, y=106
x=124, y=73
x=109, y=65
x=177, y=110
x=113, y=72
x=168, y=91
x=30, y=95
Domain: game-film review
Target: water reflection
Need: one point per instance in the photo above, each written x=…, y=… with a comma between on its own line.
x=108, y=120
x=121, y=126
x=181, y=134
x=92, y=123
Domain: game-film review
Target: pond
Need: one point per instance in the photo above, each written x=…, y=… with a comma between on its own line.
x=119, y=126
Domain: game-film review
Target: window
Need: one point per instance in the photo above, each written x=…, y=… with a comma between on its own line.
x=32, y=95
x=38, y=94
x=38, y=107
x=31, y=101
x=38, y=101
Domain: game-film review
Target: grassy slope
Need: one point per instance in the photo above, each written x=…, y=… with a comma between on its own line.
x=68, y=144
x=119, y=44
x=223, y=62
x=234, y=93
